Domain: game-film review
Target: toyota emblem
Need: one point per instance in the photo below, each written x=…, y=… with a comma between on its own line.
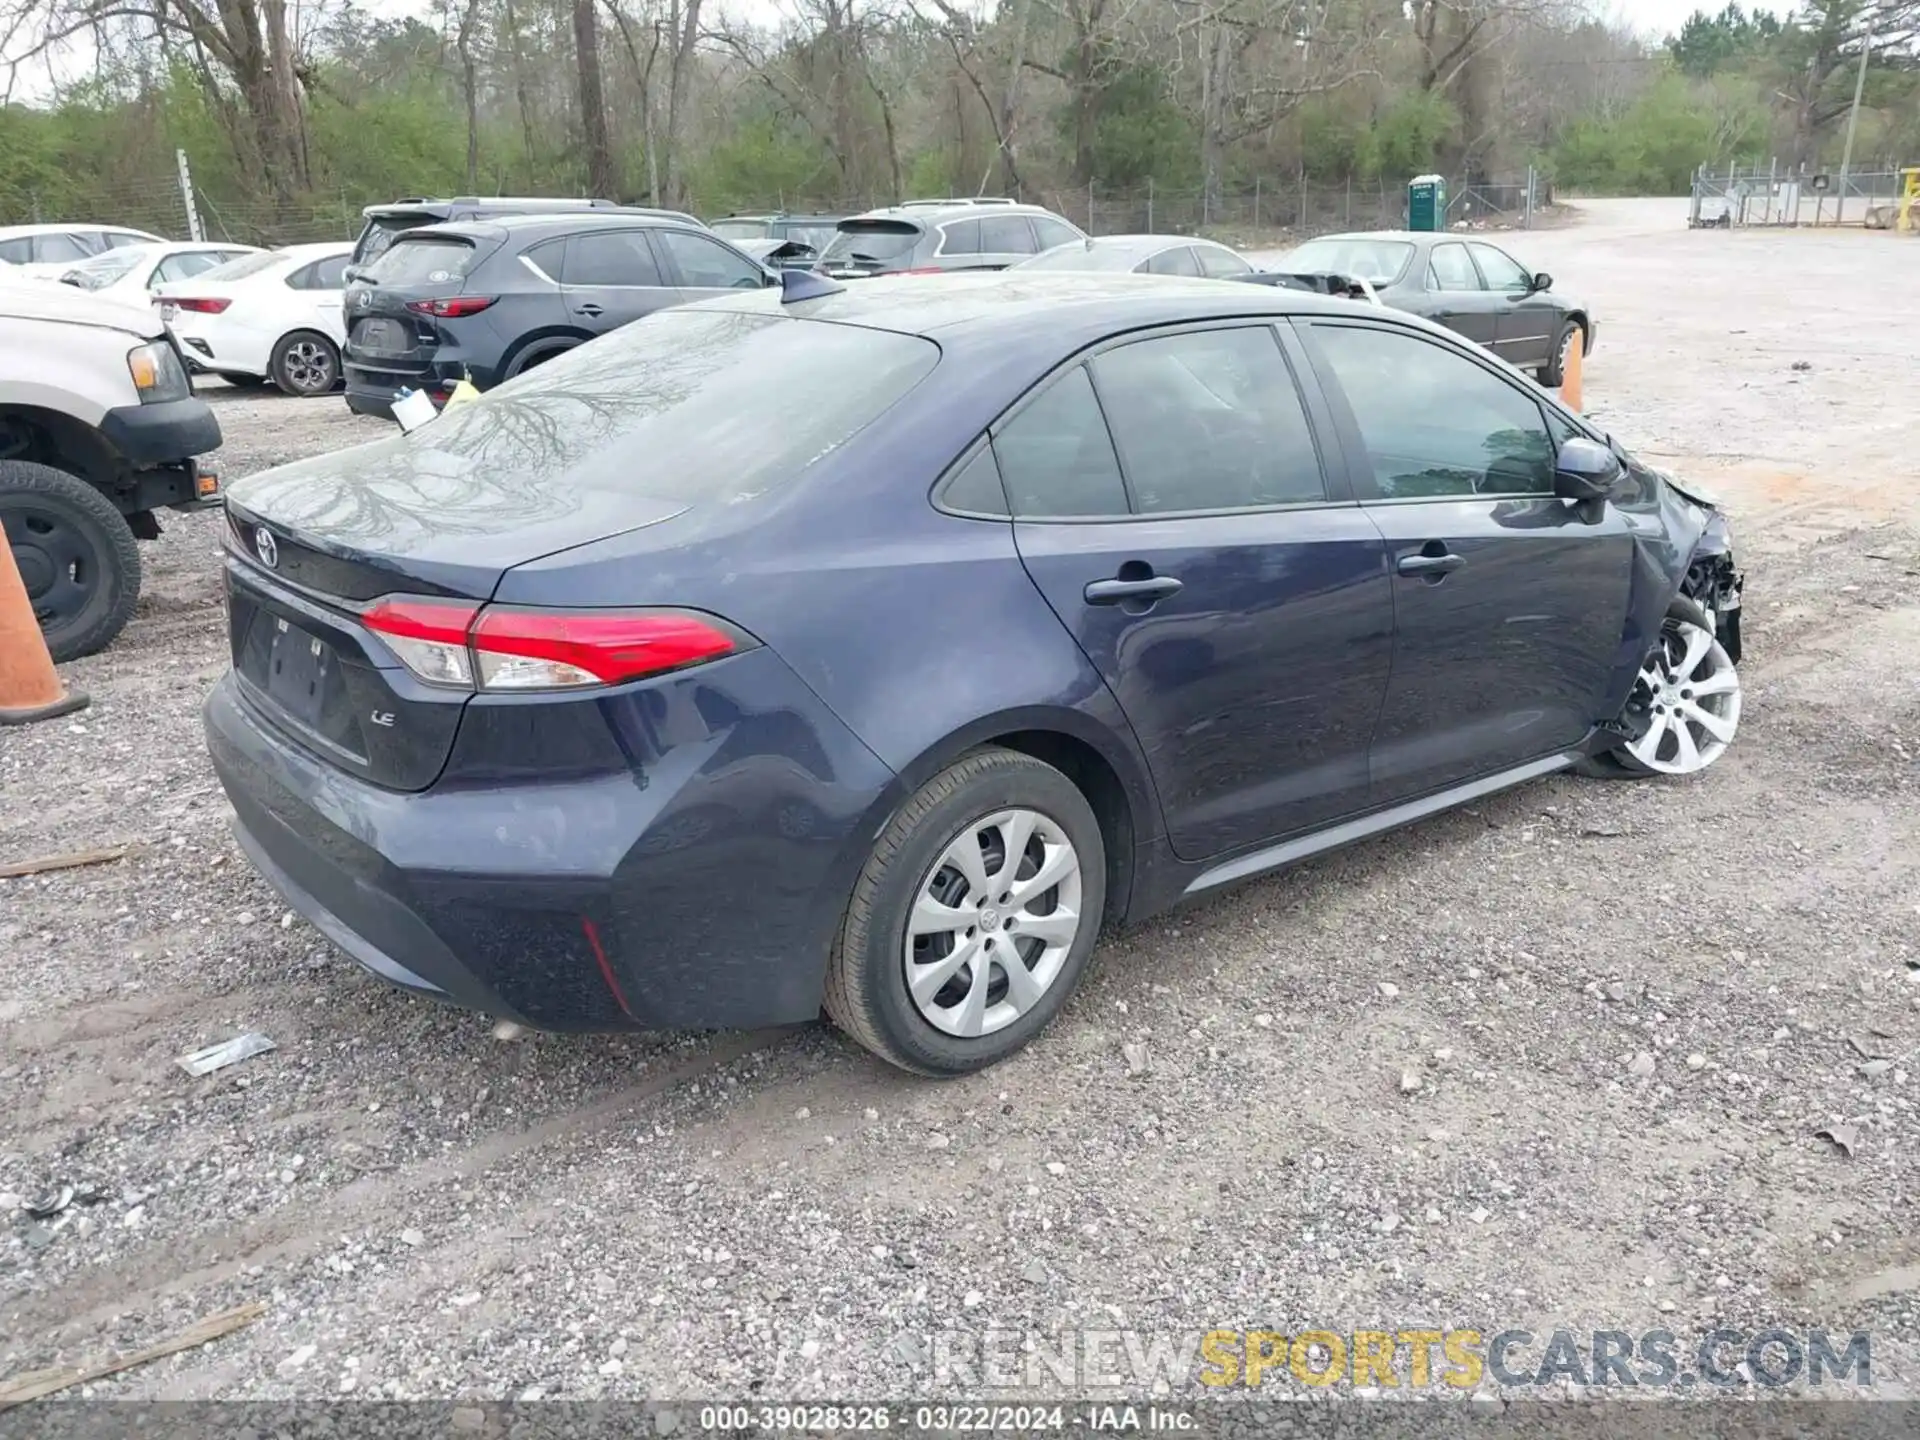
x=265, y=548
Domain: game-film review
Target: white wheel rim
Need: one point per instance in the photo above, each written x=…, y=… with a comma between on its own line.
x=1689, y=693
x=993, y=922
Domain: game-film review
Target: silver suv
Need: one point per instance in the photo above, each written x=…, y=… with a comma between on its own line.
x=929, y=236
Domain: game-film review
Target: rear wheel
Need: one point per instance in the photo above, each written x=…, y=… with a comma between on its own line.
x=1685, y=707
x=305, y=363
x=974, y=917
x=76, y=557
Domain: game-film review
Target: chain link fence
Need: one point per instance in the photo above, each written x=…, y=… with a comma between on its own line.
x=1772, y=195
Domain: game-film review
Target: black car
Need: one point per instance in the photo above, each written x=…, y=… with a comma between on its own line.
x=924, y=237
x=381, y=223
x=488, y=300
x=1470, y=286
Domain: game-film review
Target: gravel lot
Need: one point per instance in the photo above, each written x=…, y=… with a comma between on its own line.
x=427, y=1211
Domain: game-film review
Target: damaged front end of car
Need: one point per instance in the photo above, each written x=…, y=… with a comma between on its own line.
x=1713, y=580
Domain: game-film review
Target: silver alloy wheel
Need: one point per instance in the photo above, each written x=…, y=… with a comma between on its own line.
x=1565, y=352
x=1690, y=694
x=308, y=367
x=993, y=922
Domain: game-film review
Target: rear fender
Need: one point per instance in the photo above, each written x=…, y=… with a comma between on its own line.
x=538, y=344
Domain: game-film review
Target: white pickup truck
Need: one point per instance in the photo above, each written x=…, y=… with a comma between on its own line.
x=99, y=431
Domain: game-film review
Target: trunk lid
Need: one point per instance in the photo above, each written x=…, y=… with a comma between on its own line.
x=383, y=325
x=867, y=247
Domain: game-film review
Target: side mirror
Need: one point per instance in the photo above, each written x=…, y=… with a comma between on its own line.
x=1585, y=470
x=1542, y=281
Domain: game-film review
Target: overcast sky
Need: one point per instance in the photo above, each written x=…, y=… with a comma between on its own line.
x=36, y=79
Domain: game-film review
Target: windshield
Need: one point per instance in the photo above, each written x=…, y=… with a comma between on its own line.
x=103, y=270
x=422, y=261
x=741, y=229
x=1378, y=262
x=872, y=240
x=246, y=265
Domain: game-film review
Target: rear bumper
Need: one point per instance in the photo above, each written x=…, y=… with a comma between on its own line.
x=694, y=883
x=371, y=385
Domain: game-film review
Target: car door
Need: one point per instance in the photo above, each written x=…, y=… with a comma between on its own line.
x=1005, y=240
x=1458, y=298
x=1509, y=603
x=1171, y=502
x=611, y=277
x=1527, y=319
x=702, y=266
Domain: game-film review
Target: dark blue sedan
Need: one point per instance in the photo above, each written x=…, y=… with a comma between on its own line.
x=873, y=648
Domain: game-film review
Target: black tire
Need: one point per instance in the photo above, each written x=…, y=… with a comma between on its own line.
x=249, y=382
x=1616, y=764
x=1552, y=374
x=866, y=986
x=76, y=554
x=536, y=359
x=305, y=363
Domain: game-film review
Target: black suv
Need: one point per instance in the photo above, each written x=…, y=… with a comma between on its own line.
x=383, y=222
x=925, y=236
x=490, y=299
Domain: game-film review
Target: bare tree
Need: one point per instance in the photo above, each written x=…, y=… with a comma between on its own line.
x=593, y=103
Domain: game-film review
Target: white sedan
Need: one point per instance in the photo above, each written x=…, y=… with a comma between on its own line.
x=272, y=316
x=132, y=271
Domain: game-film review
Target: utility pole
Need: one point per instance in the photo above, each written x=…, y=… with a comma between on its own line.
x=1853, y=121
x=194, y=231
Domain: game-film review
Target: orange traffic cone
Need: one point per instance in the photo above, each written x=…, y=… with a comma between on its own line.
x=30, y=687
x=1570, y=376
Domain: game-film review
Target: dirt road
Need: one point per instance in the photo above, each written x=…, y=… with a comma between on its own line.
x=429, y=1212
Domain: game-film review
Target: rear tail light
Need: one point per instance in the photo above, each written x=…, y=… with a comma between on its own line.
x=204, y=306
x=509, y=648
x=451, y=308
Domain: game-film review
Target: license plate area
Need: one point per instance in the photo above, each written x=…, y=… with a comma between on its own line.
x=298, y=667
x=384, y=336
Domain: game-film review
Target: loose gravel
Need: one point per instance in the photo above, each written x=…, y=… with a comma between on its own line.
x=1558, y=1059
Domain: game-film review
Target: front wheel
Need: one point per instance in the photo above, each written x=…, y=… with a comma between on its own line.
x=1685, y=707
x=1553, y=374
x=974, y=917
x=76, y=556
x=306, y=363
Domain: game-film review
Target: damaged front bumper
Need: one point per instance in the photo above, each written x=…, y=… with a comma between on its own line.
x=1713, y=581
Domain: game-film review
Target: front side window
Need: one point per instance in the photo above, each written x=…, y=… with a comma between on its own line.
x=1209, y=420
x=1056, y=457
x=1503, y=272
x=1434, y=423
x=1054, y=232
x=706, y=265
x=1449, y=268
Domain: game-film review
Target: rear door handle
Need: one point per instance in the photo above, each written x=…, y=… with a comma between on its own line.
x=586, y=310
x=1118, y=592
x=1434, y=565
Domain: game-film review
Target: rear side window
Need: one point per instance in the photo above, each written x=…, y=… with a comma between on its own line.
x=1056, y=457
x=875, y=240
x=610, y=257
x=1209, y=421
x=961, y=238
x=654, y=409
x=1053, y=232
x=17, y=251
x=976, y=489
x=1448, y=268
x=1178, y=261
x=1006, y=235
x=421, y=261
x=328, y=274
x=1217, y=262
x=61, y=249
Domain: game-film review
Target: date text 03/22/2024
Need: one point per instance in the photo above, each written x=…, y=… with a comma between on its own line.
x=945, y=1418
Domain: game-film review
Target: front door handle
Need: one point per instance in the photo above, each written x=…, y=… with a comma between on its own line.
x=1147, y=590
x=588, y=309
x=1433, y=566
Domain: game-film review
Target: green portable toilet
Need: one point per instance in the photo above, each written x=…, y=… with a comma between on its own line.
x=1427, y=202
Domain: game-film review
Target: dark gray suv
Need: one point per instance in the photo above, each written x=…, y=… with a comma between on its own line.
x=929, y=236
x=491, y=299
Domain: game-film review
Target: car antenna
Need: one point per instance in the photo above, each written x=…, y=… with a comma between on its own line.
x=805, y=285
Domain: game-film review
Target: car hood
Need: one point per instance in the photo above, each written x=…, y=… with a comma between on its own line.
x=30, y=298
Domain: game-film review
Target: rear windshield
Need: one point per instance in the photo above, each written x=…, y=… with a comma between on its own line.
x=381, y=229
x=422, y=261
x=103, y=270
x=1081, y=256
x=1378, y=262
x=873, y=240
x=246, y=265
x=654, y=408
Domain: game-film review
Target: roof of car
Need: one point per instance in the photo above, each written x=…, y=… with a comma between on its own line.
x=934, y=212
x=1140, y=244
x=15, y=232
x=930, y=305
x=1413, y=236
x=317, y=251
x=500, y=226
